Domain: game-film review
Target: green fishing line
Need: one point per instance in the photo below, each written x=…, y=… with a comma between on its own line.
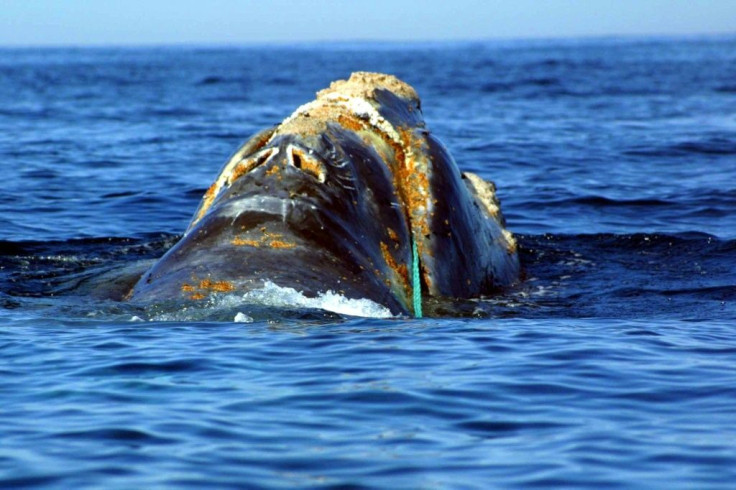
x=415, y=285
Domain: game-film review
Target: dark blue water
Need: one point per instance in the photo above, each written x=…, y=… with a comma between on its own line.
x=613, y=365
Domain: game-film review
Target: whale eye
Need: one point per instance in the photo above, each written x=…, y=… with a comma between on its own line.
x=307, y=164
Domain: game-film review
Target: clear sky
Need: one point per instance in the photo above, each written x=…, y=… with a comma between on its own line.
x=123, y=22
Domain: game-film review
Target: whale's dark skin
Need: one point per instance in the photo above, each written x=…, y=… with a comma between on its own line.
x=331, y=200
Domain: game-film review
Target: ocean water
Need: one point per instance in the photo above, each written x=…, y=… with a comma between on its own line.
x=612, y=365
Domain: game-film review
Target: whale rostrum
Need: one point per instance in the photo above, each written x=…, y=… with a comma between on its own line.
x=336, y=198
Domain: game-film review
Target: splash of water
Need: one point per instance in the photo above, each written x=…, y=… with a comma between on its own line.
x=272, y=295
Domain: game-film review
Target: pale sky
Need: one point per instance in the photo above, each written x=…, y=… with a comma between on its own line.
x=132, y=22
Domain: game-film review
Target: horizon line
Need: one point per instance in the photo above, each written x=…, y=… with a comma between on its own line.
x=368, y=41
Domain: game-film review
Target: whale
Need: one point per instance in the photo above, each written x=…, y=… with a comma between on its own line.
x=350, y=194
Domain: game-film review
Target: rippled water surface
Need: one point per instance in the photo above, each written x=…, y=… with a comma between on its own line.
x=611, y=366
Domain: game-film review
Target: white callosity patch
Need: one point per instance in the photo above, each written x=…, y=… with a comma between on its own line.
x=357, y=106
x=226, y=177
x=315, y=167
x=484, y=193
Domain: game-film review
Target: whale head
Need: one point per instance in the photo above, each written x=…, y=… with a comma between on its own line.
x=351, y=193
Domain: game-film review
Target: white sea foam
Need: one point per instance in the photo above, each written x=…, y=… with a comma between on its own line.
x=242, y=318
x=271, y=295
x=274, y=295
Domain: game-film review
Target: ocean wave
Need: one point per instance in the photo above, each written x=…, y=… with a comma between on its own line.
x=717, y=146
